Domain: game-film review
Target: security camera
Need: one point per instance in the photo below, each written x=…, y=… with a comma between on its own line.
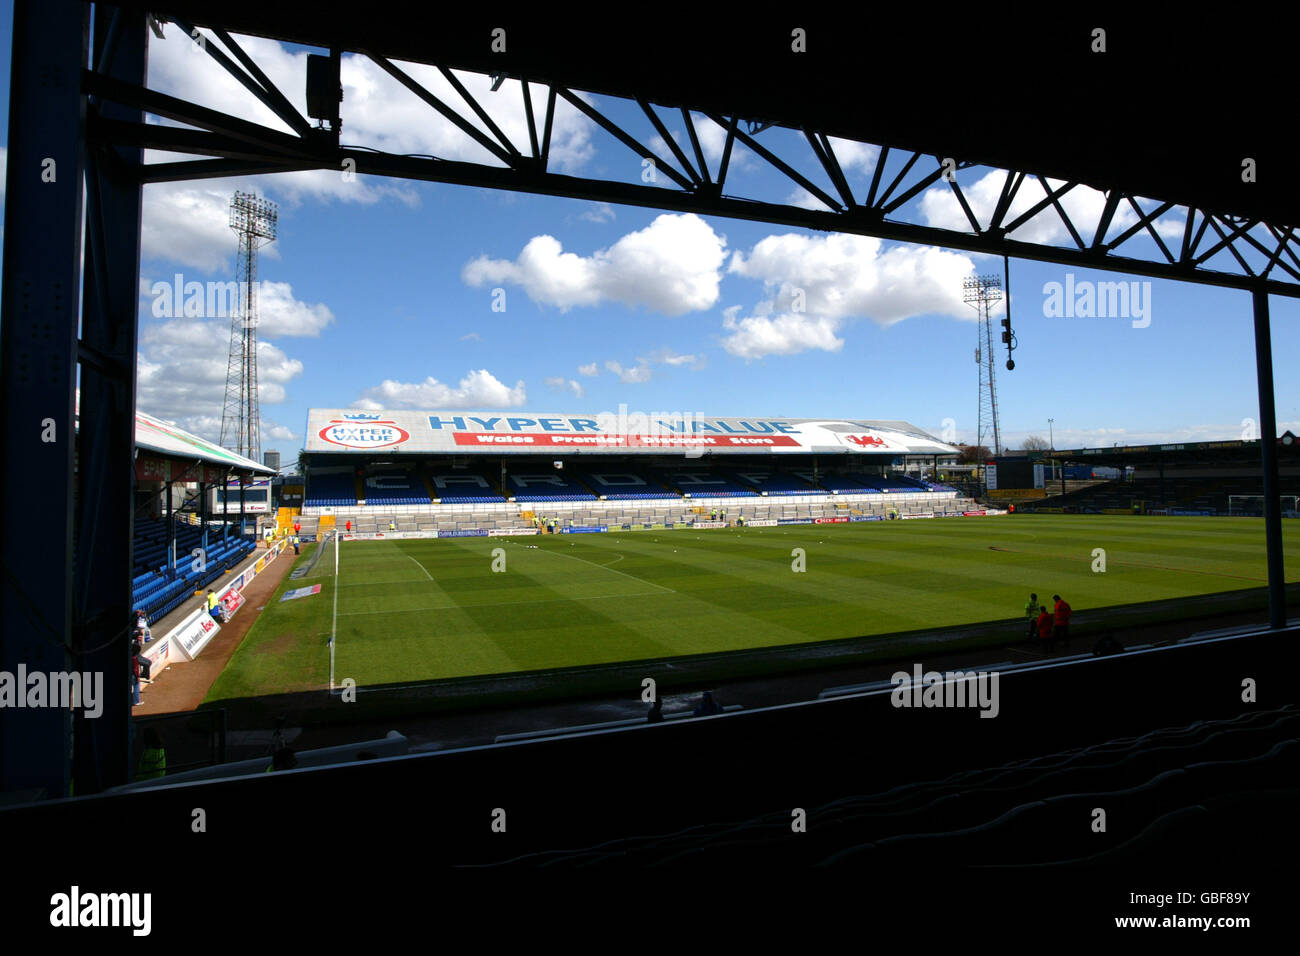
x=1011, y=363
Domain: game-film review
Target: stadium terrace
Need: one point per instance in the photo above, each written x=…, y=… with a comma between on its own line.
x=469, y=472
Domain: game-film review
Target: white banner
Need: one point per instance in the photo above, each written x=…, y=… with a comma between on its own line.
x=761, y=523
x=510, y=532
x=391, y=535
x=193, y=635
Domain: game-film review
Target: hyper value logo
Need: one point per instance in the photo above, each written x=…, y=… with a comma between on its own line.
x=364, y=431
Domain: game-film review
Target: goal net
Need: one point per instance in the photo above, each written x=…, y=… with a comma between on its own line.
x=1253, y=505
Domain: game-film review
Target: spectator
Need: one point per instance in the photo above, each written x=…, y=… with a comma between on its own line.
x=392, y=525
x=1031, y=614
x=656, y=711
x=349, y=526
x=212, y=605
x=1044, y=626
x=135, y=675
x=297, y=526
x=1062, y=614
x=153, y=761
x=708, y=706
x=142, y=625
x=295, y=545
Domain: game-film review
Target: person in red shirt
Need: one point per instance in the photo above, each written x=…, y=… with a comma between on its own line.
x=1044, y=624
x=1061, y=631
x=349, y=527
x=297, y=526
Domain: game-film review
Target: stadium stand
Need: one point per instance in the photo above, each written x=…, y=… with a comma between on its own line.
x=157, y=588
x=330, y=490
x=777, y=483
x=392, y=486
x=706, y=483
x=536, y=485
x=625, y=485
x=1018, y=813
x=465, y=487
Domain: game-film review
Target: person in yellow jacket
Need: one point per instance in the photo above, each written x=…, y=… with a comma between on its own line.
x=153, y=762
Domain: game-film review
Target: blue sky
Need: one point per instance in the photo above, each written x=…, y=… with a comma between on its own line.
x=380, y=294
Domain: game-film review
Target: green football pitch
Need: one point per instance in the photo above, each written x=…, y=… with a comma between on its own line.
x=404, y=611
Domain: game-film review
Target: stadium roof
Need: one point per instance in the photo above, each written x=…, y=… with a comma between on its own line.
x=1193, y=451
x=467, y=433
x=156, y=435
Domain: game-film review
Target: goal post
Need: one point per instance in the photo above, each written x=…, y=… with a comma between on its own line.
x=334, y=618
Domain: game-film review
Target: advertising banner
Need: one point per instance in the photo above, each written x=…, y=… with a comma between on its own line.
x=794, y=520
x=445, y=432
x=300, y=593
x=159, y=654
x=835, y=520
x=193, y=635
x=923, y=514
x=761, y=523
x=469, y=533
x=973, y=514
x=232, y=600
x=585, y=530
x=510, y=532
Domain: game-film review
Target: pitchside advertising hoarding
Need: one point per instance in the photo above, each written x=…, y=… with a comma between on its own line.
x=462, y=433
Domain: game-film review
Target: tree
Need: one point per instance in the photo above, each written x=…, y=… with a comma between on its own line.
x=1035, y=443
x=973, y=454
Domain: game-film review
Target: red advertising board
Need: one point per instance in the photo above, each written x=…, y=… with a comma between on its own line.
x=151, y=469
x=836, y=520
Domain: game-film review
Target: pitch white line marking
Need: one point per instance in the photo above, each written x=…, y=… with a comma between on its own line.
x=612, y=571
x=422, y=568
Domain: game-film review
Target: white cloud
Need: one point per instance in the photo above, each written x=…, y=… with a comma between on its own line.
x=602, y=213
x=558, y=381
x=377, y=110
x=471, y=337
x=186, y=222
x=278, y=432
x=854, y=157
x=182, y=366
x=638, y=375
x=1083, y=205
x=842, y=276
x=478, y=389
x=279, y=313
x=672, y=266
x=667, y=357
x=588, y=370
x=783, y=334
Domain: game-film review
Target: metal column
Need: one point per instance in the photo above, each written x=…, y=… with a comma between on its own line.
x=106, y=443
x=38, y=368
x=1268, y=460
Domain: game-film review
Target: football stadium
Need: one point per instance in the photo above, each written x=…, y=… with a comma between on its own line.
x=455, y=544
x=996, y=674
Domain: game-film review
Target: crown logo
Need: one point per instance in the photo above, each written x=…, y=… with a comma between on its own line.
x=362, y=418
